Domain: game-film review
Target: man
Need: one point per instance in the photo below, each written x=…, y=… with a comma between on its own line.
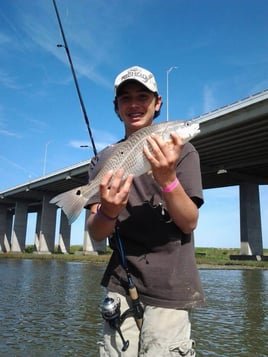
x=152, y=217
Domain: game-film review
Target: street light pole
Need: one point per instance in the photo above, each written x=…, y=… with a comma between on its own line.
x=45, y=158
x=168, y=71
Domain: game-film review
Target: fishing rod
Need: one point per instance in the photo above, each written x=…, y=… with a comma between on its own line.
x=137, y=308
x=110, y=308
x=75, y=79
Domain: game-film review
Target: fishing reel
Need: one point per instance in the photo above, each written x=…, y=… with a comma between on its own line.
x=110, y=311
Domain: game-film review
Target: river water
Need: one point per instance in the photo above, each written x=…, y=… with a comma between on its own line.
x=49, y=308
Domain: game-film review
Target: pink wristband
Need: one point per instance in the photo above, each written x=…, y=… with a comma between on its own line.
x=103, y=215
x=171, y=186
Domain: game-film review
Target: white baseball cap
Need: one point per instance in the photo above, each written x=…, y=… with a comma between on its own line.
x=138, y=74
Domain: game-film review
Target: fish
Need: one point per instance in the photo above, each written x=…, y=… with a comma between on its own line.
x=127, y=155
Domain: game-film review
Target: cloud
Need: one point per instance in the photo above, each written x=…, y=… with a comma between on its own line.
x=8, y=81
x=209, y=100
x=17, y=166
x=93, y=40
x=8, y=133
x=3, y=130
x=247, y=59
x=77, y=144
x=85, y=49
x=101, y=139
x=4, y=39
x=38, y=126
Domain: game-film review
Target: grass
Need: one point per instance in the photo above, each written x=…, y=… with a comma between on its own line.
x=221, y=257
x=205, y=257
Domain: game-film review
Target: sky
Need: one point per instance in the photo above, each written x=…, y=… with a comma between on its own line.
x=219, y=49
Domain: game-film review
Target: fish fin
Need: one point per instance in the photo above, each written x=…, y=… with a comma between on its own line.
x=71, y=202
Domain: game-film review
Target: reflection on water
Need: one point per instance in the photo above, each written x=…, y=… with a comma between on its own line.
x=235, y=321
x=50, y=308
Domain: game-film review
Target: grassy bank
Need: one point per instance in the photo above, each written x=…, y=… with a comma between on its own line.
x=221, y=257
x=205, y=257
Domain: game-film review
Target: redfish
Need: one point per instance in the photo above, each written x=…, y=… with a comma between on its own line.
x=127, y=155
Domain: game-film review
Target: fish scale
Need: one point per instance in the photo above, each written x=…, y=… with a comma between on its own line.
x=127, y=155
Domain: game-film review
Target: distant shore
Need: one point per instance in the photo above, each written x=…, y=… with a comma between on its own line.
x=206, y=258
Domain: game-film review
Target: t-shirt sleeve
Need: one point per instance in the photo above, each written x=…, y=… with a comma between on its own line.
x=189, y=174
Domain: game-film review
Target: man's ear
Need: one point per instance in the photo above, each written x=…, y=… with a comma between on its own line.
x=116, y=108
x=159, y=104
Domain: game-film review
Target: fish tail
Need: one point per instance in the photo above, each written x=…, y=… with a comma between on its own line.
x=71, y=202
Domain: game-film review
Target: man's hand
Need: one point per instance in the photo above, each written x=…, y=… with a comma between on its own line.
x=114, y=192
x=163, y=157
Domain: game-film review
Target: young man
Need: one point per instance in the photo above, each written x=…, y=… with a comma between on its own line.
x=153, y=216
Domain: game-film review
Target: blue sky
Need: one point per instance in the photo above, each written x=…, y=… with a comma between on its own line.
x=220, y=48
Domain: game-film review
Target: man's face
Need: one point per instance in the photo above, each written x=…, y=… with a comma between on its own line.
x=136, y=106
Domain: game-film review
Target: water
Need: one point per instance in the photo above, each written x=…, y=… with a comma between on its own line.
x=50, y=308
x=235, y=321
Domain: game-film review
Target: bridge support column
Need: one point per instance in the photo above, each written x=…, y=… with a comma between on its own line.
x=90, y=246
x=9, y=227
x=37, y=231
x=250, y=220
x=5, y=237
x=64, y=234
x=19, y=229
x=47, y=227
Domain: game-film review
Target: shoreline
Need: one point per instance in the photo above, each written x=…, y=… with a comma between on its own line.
x=102, y=259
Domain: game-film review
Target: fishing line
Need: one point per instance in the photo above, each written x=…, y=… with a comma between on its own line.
x=75, y=80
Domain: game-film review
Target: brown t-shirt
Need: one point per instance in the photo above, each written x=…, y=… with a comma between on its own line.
x=159, y=256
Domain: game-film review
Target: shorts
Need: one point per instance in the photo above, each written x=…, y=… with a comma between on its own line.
x=164, y=333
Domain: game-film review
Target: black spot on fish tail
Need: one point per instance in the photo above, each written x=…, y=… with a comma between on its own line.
x=78, y=192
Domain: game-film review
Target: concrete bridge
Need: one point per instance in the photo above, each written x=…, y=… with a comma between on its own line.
x=233, y=148
x=34, y=196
